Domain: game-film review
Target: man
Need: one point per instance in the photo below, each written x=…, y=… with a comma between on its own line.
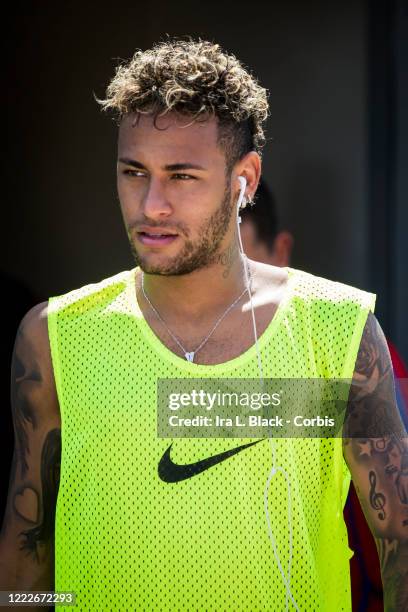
x=145, y=523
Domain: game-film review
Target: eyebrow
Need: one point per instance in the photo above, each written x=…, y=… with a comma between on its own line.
x=169, y=168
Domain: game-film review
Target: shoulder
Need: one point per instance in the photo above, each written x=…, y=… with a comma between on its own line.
x=33, y=330
x=85, y=297
x=31, y=369
x=312, y=287
x=373, y=353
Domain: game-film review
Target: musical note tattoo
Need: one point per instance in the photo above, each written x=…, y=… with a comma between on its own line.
x=377, y=500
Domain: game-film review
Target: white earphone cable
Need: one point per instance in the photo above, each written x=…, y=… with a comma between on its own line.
x=274, y=469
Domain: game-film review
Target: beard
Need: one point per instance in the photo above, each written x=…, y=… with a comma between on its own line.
x=193, y=255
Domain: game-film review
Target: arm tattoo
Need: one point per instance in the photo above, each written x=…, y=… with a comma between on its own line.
x=377, y=500
x=376, y=449
x=22, y=375
x=50, y=471
x=31, y=503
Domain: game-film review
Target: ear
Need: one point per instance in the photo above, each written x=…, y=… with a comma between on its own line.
x=282, y=248
x=250, y=167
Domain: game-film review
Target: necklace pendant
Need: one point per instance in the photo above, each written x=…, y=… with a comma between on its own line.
x=189, y=356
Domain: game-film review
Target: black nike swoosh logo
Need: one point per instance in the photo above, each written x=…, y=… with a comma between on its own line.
x=173, y=472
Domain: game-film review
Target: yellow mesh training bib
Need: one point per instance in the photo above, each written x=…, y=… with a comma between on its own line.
x=125, y=539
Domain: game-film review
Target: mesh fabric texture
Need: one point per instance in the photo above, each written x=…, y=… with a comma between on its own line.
x=126, y=540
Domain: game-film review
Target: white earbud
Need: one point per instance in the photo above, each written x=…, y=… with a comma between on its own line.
x=241, y=200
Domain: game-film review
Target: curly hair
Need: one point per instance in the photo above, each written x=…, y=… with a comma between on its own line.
x=197, y=79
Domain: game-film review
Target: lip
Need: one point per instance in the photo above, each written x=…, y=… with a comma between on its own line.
x=156, y=239
x=152, y=231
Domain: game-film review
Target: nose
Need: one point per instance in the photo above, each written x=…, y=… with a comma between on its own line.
x=155, y=204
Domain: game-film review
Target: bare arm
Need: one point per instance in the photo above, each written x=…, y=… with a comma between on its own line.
x=27, y=534
x=375, y=448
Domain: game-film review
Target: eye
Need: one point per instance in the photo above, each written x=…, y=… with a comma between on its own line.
x=137, y=173
x=183, y=177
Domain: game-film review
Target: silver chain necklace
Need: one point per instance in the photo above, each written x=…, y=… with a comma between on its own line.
x=189, y=355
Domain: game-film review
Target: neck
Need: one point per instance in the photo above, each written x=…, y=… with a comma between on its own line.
x=199, y=295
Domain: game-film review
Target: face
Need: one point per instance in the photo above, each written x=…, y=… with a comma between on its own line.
x=175, y=197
